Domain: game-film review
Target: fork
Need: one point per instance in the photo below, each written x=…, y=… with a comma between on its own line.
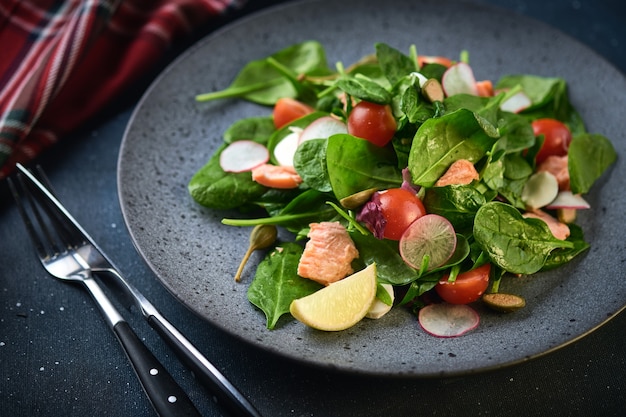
x=224, y=393
x=63, y=253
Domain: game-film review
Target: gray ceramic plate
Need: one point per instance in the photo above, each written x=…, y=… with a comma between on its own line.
x=170, y=136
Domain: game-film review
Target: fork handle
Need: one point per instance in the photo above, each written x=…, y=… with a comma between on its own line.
x=166, y=396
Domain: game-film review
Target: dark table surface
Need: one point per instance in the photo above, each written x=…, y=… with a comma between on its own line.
x=58, y=358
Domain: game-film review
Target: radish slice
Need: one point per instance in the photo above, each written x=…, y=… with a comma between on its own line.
x=516, y=103
x=459, y=79
x=540, y=190
x=448, y=320
x=566, y=199
x=243, y=155
x=286, y=148
x=323, y=128
x=378, y=308
x=430, y=235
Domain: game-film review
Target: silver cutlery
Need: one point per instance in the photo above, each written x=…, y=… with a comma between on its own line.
x=80, y=257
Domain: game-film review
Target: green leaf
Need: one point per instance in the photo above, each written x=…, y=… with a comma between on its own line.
x=260, y=82
x=394, y=64
x=310, y=163
x=276, y=283
x=440, y=142
x=364, y=88
x=515, y=244
x=211, y=187
x=355, y=165
x=457, y=203
x=258, y=129
x=589, y=156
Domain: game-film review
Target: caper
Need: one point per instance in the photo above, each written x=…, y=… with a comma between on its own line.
x=261, y=237
x=356, y=200
x=505, y=303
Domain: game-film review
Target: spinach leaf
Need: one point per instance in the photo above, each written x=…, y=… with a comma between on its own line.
x=439, y=142
x=507, y=174
x=310, y=163
x=515, y=244
x=589, y=156
x=261, y=82
x=355, y=165
x=364, y=88
x=559, y=257
x=276, y=283
x=258, y=129
x=390, y=267
x=457, y=203
x=211, y=187
x=394, y=64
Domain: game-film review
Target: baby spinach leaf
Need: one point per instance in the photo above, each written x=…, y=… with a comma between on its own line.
x=390, y=267
x=355, y=165
x=589, y=156
x=559, y=257
x=259, y=81
x=276, y=283
x=457, y=203
x=210, y=186
x=310, y=163
x=394, y=64
x=364, y=88
x=258, y=129
x=507, y=175
x=515, y=244
x=439, y=142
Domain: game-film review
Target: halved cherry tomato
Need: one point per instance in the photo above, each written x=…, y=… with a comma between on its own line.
x=286, y=110
x=373, y=122
x=557, y=138
x=467, y=288
x=400, y=208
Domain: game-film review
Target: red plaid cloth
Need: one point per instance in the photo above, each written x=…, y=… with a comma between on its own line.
x=63, y=60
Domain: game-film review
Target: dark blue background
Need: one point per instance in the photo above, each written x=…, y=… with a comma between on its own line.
x=57, y=357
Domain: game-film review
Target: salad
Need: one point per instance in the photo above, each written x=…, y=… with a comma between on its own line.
x=445, y=183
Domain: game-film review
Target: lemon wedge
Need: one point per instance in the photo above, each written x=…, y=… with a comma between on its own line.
x=340, y=305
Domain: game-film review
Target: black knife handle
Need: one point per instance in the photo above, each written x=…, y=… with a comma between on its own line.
x=225, y=394
x=166, y=396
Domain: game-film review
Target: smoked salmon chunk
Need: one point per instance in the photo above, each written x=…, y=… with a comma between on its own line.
x=557, y=166
x=461, y=172
x=328, y=254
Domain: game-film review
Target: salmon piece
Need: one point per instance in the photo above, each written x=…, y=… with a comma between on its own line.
x=275, y=176
x=459, y=173
x=557, y=166
x=559, y=230
x=485, y=88
x=328, y=254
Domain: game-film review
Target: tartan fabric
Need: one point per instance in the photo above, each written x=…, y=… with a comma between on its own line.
x=61, y=61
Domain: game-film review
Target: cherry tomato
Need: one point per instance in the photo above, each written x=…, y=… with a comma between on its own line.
x=557, y=138
x=286, y=110
x=373, y=122
x=467, y=288
x=400, y=208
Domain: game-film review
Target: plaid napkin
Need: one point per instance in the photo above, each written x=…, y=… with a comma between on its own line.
x=61, y=61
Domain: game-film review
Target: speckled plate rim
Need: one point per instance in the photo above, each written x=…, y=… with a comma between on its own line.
x=170, y=136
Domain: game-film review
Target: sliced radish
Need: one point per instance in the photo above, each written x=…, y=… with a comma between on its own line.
x=448, y=320
x=430, y=235
x=568, y=200
x=459, y=79
x=323, y=128
x=540, y=189
x=286, y=148
x=243, y=155
x=516, y=103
